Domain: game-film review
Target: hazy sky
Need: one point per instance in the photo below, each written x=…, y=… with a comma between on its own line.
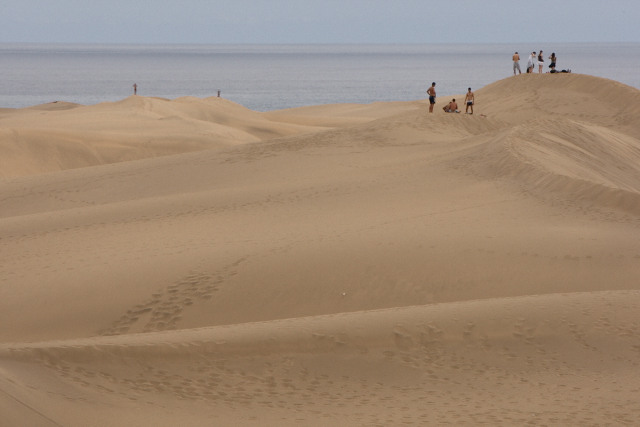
x=319, y=21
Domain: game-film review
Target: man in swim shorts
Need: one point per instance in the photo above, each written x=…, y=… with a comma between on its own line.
x=516, y=63
x=432, y=96
x=468, y=99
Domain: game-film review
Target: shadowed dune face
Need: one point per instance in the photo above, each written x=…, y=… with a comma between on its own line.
x=573, y=135
x=553, y=359
x=562, y=158
x=329, y=265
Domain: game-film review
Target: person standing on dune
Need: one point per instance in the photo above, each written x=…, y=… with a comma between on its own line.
x=432, y=96
x=469, y=99
x=531, y=62
x=552, y=58
x=516, y=63
x=540, y=62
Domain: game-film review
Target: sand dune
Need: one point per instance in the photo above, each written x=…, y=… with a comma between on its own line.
x=191, y=262
x=513, y=361
x=61, y=136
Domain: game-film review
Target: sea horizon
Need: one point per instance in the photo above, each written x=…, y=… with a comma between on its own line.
x=266, y=77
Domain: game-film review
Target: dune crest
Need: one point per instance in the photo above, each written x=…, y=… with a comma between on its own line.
x=61, y=136
x=570, y=153
x=327, y=265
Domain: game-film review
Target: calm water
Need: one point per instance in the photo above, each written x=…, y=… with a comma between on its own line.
x=269, y=77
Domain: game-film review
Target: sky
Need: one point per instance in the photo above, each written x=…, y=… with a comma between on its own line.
x=318, y=21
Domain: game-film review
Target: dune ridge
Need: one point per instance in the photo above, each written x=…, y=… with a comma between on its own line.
x=61, y=136
x=489, y=320
x=439, y=356
x=189, y=261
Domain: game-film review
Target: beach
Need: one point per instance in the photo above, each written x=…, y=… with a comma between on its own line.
x=190, y=261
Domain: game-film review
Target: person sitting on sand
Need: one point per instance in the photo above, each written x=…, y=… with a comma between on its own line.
x=452, y=107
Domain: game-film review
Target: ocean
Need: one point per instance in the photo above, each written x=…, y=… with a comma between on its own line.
x=273, y=77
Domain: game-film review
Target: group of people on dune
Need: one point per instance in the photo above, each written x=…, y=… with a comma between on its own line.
x=452, y=106
x=469, y=100
x=536, y=59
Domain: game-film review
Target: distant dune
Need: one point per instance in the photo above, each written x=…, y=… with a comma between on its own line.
x=60, y=136
x=193, y=262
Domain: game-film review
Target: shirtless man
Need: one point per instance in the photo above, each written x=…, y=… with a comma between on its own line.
x=452, y=107
x=516, y=63
x=469, y=99
x=432, y=96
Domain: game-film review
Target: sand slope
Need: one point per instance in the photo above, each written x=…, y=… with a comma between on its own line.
x=59, y=136
x=330, y=265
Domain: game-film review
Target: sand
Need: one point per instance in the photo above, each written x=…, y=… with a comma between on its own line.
x=192, y=262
